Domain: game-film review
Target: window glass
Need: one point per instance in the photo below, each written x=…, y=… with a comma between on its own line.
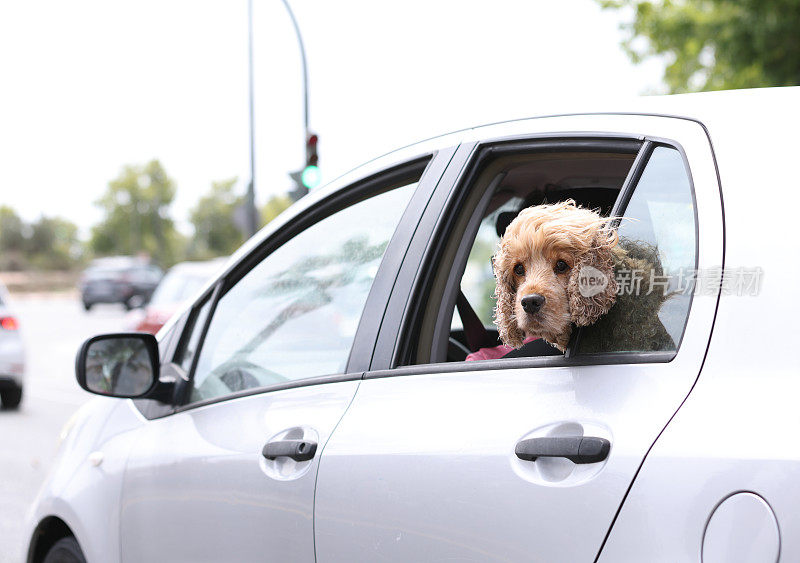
x=655, y=281
x=295, y=314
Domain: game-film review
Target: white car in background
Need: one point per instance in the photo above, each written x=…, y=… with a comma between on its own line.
x=179, y=284
x=314, y=402
x=12, y=355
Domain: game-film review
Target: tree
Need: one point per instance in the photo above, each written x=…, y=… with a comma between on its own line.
x=717, y=44
x=137, y=220
x=215, y=229
x=53, y=244
x=12, y=240
x=274, y=207
x=12, y=230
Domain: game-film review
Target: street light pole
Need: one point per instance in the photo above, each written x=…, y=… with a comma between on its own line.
x=250, y=202
x=303, y=59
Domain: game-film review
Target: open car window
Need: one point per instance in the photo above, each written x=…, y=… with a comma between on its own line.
x=653, y=192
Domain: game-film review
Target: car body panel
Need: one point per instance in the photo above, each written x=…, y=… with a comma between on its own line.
x=423, y=462
x=735, y=431
x=201, y=473
x=84, y=487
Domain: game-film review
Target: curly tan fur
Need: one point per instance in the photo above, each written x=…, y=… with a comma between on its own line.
x=530, y=257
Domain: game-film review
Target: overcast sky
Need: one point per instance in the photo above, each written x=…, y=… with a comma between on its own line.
x=89, y=86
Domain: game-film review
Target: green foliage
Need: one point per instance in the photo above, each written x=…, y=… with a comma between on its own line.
x=12, y=240
x=137, y=221
x=274, y=207
x=51, y=243
x=11, y=230
x=54, y=244
x=717, y=44
x=215, y=229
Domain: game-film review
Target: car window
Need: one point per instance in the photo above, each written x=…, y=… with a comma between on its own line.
x=295, y=314
x=654, y=261
x=501, y=188
x=656, y=280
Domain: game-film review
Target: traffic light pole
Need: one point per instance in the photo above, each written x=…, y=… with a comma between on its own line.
x=303, y=59
x=250, y=200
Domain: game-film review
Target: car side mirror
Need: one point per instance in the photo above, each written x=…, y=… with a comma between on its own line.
x=123, y=365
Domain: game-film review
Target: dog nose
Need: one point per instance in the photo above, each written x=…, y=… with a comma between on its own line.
x=532, y=303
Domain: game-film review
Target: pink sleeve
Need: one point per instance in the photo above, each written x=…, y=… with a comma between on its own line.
x=493, y=353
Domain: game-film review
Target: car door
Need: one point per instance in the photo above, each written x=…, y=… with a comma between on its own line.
x=268, y=358
x=439, y=459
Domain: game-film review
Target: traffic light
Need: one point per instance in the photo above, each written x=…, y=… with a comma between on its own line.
x=310, y=176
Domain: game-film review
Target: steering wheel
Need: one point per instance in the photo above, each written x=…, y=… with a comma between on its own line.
x=237, y=375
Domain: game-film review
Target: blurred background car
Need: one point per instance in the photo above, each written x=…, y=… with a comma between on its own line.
x=12, y=355
x=119, y=279
x=179, y=284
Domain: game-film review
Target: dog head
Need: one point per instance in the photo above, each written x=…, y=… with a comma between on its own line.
x=554, y=267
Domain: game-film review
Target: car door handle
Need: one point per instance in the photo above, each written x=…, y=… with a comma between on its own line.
x=298, y=450
x=577, y=449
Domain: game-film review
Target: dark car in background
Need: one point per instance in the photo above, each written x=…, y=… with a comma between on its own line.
x=119, y=279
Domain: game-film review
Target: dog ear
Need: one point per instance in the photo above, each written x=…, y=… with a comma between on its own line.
x=592, y=288
x=505, y=293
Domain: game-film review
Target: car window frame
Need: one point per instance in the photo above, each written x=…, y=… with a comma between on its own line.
x=394, y=362
x=426, y=169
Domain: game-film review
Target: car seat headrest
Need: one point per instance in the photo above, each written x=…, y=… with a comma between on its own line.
x=503, y=221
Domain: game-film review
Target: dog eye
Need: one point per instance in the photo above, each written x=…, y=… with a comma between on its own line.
x=519, y=269
x=561, y=267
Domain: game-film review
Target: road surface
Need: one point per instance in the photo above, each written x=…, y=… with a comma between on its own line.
x=53, y=328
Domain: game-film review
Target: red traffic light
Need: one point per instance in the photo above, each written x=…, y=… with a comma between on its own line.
x=311, y=150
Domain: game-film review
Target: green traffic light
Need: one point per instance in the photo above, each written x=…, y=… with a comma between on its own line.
x=311, y=177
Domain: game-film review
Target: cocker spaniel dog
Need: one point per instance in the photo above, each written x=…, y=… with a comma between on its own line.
x=555, y=269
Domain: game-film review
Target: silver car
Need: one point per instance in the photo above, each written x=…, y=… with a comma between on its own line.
x=12, y=355
x=314, y=402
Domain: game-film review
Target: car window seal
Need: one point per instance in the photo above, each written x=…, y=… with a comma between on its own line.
x=611, y=358
x=282, y=386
